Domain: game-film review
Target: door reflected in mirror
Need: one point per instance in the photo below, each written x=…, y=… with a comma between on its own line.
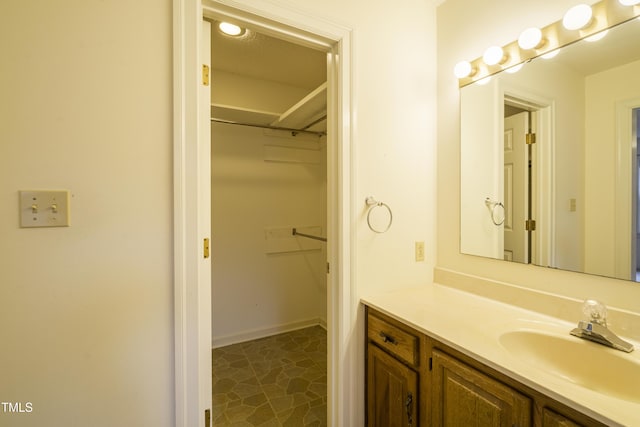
x=570, y=193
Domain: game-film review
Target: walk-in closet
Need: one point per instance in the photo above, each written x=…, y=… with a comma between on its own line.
x=269, y=224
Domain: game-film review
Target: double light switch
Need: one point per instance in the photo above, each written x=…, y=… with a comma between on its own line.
x=39, y=208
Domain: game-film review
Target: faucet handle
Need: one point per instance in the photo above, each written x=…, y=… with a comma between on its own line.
x=595, y=311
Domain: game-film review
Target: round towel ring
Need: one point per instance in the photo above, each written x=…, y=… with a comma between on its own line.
x=491, y=205
x=373, y=203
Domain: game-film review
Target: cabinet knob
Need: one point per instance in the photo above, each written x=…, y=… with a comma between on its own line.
x=388, y=338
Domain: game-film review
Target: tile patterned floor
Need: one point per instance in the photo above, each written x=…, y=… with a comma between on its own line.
x=278, y=381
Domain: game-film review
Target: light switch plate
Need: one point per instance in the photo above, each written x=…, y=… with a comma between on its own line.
x=44, y=208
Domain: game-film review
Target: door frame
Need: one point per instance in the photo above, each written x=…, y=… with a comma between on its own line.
x=543, y=247
x=191, y=378
x=624, y=211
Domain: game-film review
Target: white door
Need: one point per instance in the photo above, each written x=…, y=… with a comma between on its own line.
x=515, y=186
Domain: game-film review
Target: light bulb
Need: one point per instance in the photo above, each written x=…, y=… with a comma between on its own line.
x=230, y=29
x=515, y=68
x=577, y=17
x=629, y=2
x=597, y=36
x=531, y=38
x=551, y=54
x=493, y=55
x=484, y=81
x=463, y=69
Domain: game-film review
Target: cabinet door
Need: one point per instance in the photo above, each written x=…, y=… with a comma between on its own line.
x=553, y=419
x=463, y=396
x=392, y=391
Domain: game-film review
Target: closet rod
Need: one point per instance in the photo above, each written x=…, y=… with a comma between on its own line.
x=293, y=131
x=308, y=236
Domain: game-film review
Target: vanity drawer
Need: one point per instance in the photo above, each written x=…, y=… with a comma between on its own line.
x=399, y=342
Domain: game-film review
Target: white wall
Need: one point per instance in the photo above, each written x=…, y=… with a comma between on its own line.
x=261, y=287
x=87, y=311
x=603, y=90
x=465, y=29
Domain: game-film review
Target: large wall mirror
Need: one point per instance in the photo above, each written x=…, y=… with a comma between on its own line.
x=569, y=197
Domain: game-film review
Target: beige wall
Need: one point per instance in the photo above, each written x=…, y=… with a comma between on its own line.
x=87, y=311
x=465, y=30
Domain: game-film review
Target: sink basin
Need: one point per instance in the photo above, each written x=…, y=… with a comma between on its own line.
x=590, y=365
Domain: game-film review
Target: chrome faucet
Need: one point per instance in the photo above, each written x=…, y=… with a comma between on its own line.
x=595, y=329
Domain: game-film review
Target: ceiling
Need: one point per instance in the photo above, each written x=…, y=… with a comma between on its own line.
x=268, y=58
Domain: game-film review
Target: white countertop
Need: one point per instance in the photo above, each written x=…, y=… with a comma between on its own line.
x=473, y=325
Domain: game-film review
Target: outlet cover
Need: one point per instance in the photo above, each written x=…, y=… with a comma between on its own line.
x=44, y=208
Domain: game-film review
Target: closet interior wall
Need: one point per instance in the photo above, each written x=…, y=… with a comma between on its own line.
x=264, y=182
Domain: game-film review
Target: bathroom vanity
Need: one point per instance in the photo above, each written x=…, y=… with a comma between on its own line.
x=441, y=357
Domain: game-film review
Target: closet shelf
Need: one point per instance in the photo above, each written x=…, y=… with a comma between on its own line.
x=310, y=113
x=244, y=115
x=308, y=110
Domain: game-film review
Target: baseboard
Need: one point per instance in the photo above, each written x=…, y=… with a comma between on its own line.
x=254, y=334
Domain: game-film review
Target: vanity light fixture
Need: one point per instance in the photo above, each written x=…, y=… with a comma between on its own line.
x=494, y=55
x=551, y=54
x=580, y=22
x=531, y=38
x=515, y=68
x=484, y=81
x=463, y=69
x=577, y=17
x=231, y=29
x=597, y=36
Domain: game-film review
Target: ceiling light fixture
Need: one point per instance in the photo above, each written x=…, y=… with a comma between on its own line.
x=230, y=29
x=577, y=17
x=629, y=2
x=531, y=38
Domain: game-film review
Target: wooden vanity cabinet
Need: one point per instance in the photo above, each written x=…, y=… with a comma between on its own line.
x=414, y=380
x=464, y=396
x=394, y=374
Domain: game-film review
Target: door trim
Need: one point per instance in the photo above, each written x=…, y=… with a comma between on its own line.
x=624, y=220
x=345, y=389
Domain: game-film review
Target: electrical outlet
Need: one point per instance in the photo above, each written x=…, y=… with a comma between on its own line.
x=419, y=251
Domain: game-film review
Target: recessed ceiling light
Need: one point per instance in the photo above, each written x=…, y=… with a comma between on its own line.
x=230, y=29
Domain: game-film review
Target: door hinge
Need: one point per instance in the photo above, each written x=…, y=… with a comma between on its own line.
x=530, y=225
x=207, y=418
x=205, y=74
x=531, y=138
x=328, y=268
x=206, y=248
x=431, y=363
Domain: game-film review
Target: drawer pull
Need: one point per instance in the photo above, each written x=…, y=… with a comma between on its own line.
x=388, y=338
x=409, y=405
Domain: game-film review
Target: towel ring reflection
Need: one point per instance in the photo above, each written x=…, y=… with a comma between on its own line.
x=491, y=205
x=373, y=203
